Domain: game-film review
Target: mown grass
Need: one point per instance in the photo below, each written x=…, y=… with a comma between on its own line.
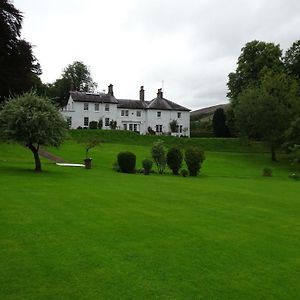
x=71, y=233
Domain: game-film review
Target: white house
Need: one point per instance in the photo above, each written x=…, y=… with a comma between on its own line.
x=134, y=115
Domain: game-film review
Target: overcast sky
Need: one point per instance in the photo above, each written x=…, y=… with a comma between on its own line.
x=191, y=45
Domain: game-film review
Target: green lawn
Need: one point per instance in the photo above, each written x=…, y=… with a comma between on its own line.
x=71, y=233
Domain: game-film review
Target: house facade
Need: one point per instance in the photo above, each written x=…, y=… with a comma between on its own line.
x=134, y=115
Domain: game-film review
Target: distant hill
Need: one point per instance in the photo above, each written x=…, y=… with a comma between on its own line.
x=207, y=112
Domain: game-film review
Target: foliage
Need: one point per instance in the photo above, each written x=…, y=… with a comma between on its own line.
x=174, y=126
x=255, y=57
x=33, y=121
x=294, y=176
x=159, y=156
x=174, y=159
x=113, y=124
x=267, y=172
x=147, y=165
x=100, y=124
x=292, y=59
x=126, y=162
x=265, y=111
x=194, y=158
x=93, y=125
x=151, y=131
x=184, y=173
x=19, y=68
x=219, y=124
x=91, y=143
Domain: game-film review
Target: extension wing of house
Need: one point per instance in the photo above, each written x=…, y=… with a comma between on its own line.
x=135, y=115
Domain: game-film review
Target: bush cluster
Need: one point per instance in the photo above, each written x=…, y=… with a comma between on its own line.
x=174, y=159
x=194, y=158
x=147, y=165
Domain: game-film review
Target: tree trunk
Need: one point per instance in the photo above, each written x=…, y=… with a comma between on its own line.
x=35, y=151
x=273, y=153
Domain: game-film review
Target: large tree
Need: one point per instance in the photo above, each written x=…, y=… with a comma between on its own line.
x=220, y=127
x=266, y=110
x=255, y=57
x=292, y=60
x=32, y=121
x=18, y=65
x=75, y=76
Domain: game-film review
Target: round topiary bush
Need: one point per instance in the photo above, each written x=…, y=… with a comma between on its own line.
x=93, y=125
x=174, y=159
x=126, y=161
x=194, y=157
x=147, y=165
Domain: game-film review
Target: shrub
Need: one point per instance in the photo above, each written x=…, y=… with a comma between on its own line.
x=174, y=126
x=194, y=157
x=159, y=156
x=147, y=165
x=93, y=125
x=267, y=172
x=113, y=124
x=100, y=124
x=151, y=131
x=79, y=127
x=184, y=173
x=126, y=162
x=174, y=159
x=294, y=176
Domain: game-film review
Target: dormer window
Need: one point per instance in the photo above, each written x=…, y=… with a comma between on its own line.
x=85, y=106
x=159, y=114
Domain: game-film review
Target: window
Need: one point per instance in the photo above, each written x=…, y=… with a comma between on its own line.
x=179, y=115
x=96, y=106
x=159, y=114
x=125, y=126
x=135, y=127
x=106, y=107
x=85, y=106
x=86, y=121
x=158, y=128
x=138, y=113
x=106, y=121
x=126, y=113
x=130, y=127
x=69, y=121
x=180, y=128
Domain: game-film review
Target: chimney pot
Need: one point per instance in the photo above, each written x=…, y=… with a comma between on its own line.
x=160, y=94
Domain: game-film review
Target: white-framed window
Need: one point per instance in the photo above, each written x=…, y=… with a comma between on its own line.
x=138, y=113
x=126, y=113
x=131, y=127
x=106, y=107
x=125, y=126
x=85, y=106
x=179, y=115
x=135, y=127
x=106, y=122
x=97, y=106
x=86, y=121
x=69, y=121
x=158, y=114
x=158, y=128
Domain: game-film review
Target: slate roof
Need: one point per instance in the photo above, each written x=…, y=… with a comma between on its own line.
x=157, y=103
x=90, y=97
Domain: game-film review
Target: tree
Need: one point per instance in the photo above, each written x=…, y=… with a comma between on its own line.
x=219, y=123
x=32, y=121
x=174, y=159
x=292, y=59
x=18, y=66
x=266, y=111
x=255, y=57
x=159, y=156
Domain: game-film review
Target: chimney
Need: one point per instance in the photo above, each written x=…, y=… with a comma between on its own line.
x=159, y=94
x=110, y=90
x=142, y=93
